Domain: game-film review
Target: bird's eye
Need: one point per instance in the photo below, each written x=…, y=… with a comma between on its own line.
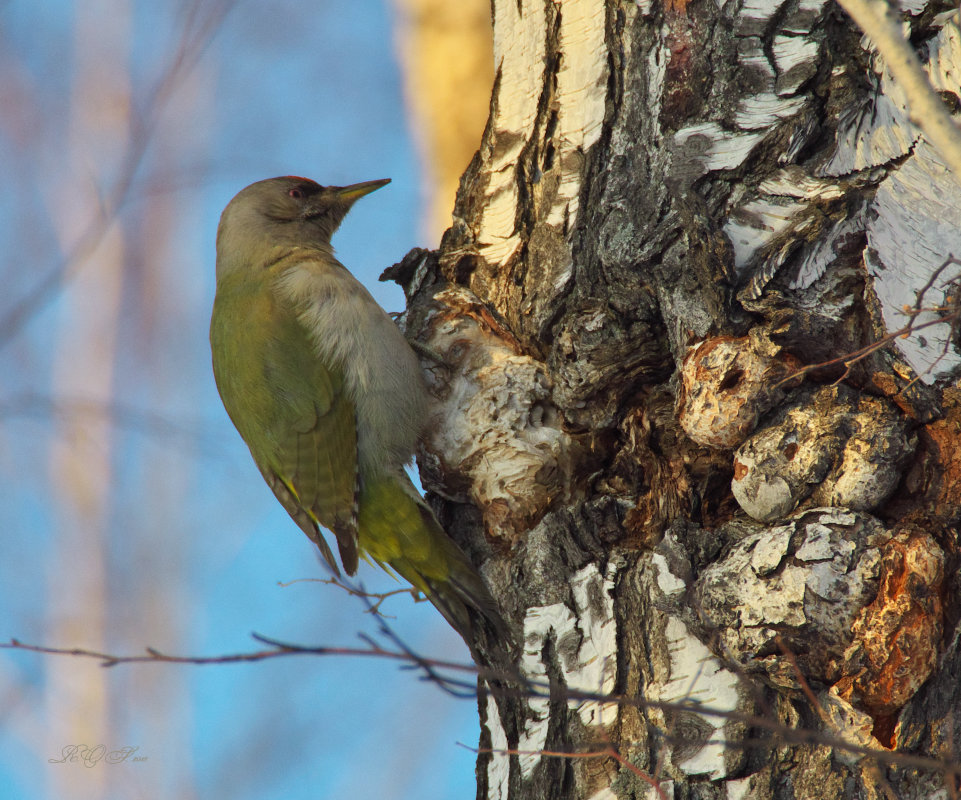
x=296, y=193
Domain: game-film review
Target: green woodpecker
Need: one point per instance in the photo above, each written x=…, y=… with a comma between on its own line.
x=326, y=392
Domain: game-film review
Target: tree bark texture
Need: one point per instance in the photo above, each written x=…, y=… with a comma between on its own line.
x=677, y=211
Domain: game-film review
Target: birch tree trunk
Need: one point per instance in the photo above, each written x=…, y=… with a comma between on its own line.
x=676, y=211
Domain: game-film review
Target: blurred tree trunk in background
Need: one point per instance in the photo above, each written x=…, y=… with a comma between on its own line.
x=81, y=470
x=674, y=209
x=119, y=317
x=446, y=52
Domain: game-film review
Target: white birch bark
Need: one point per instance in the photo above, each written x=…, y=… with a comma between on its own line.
x=675, y=209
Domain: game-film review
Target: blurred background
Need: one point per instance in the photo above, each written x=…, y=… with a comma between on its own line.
x=131, y=514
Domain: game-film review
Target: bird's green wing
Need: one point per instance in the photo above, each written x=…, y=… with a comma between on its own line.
x=291, y=409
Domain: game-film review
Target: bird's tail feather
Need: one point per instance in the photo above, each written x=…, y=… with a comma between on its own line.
x=397, y=528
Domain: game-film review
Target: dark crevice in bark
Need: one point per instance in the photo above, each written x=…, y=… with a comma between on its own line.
x=657, y=277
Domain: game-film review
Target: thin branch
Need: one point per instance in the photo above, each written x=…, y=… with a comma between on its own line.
x=194, y=40
x=532, y=689
x=870, y=766
x=431, y=667
x=372, y=608
x=277, y=648
x=848, y=360
x=949, y=314
x=926, y=109
x=144, y=421
x=426, y=665
x=608, y=751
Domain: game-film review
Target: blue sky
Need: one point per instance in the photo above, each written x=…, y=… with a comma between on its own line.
x=185, y=547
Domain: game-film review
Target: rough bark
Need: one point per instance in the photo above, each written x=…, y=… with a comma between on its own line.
x=675, y=210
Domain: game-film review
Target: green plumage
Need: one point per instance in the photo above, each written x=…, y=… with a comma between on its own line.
x=289, y=407
x=326, y=392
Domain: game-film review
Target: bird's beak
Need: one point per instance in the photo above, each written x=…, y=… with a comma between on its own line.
x=356, y=190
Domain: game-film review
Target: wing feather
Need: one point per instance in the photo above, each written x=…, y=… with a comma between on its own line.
x=292, y=410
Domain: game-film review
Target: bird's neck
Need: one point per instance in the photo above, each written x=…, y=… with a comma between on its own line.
x=273, y=262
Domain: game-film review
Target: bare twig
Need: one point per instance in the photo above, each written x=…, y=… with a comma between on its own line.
x=950, y=769
x=949, y=314
x=144, y=421
x=925, y=108
x=870, y=766
x=428, y=666
x=196, y=35
x=277, y=649
x=608, y=751
x=353, y=591
x=848, y=360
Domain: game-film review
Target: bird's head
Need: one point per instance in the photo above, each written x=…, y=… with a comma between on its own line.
x=277, y=213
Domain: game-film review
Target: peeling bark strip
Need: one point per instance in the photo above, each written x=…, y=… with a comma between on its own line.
x=561, y=108
x=647, y=430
